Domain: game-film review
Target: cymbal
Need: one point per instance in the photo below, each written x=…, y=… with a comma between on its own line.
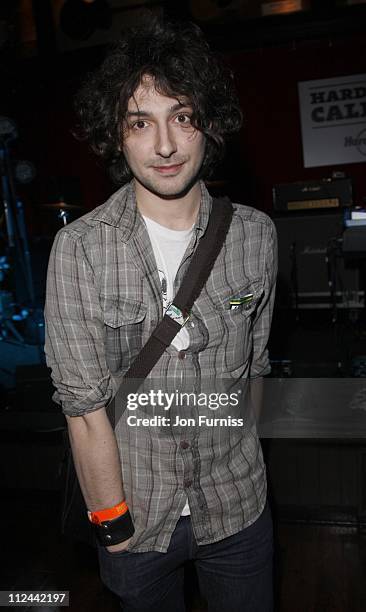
x=61, y=205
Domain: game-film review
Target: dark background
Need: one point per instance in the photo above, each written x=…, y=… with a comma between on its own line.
x=269, y=57
x=317, y=486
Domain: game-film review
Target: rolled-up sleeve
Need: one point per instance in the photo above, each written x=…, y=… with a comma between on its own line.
x=260, y=365
x=74, y=343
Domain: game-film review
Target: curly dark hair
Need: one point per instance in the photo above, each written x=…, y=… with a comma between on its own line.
x=181, y=63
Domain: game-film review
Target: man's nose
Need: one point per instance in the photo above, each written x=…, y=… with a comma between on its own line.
x=165, y=144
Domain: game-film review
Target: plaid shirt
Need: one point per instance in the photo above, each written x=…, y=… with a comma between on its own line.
x=103, y=302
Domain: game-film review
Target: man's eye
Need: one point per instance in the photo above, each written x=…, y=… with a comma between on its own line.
x=183, y=118
x=139, y=125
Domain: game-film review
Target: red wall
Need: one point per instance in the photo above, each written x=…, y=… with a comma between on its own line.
x=270, y=143
x=267, y=151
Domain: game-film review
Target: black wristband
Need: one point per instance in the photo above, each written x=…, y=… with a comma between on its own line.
x=115, y=531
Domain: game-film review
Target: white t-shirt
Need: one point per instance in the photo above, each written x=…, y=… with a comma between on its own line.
x=169, y=247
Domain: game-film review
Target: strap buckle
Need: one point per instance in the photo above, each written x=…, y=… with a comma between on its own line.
x=177, y=315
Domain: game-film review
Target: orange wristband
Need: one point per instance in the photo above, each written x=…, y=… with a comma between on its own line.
x=107, y=514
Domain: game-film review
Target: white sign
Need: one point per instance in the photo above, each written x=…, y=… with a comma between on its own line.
x=333, y=120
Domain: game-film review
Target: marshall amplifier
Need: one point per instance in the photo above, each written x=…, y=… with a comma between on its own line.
x=304, y=241
x=313, y=195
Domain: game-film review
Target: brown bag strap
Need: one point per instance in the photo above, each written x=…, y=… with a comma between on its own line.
x=194, y=279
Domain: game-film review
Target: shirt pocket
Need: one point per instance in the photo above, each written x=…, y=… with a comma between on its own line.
x=234, y=324
x=123, y=321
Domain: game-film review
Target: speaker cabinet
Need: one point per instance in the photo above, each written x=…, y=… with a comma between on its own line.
x=305, y=242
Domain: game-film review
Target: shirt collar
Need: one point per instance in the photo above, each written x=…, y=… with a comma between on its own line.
x=121, y=211
x=205, y=209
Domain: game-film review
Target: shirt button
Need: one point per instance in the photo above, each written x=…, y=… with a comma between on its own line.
x=181, y=355
x=187, y=483
x=192, y=324
x=184, y=444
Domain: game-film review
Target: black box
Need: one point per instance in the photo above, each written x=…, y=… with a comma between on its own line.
x=313, y=195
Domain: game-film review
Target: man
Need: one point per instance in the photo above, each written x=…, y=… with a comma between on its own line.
x=158, y=110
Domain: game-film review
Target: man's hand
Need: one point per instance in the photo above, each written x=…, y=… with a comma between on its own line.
x=118, y=547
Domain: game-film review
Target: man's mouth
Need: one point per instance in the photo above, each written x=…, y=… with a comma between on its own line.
x=168, y=169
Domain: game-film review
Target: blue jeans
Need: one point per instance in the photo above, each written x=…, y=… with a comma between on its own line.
x=235, y=574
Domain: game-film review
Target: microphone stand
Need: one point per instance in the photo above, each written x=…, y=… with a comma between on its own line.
x=294, y=278
x=18, y=243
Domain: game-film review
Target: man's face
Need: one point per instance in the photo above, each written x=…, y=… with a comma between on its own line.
x=163, y=150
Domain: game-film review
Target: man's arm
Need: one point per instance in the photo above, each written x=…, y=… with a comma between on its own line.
x=262, y=324
x=97, y=462
x=256, y=396
x=75, y=353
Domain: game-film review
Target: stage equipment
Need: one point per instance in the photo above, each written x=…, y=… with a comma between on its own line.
x=62, y=196
x=313, y=195
x=313, y=273
x=63, y=210
x=24, y=171
x=17, y=252
x=354, y=240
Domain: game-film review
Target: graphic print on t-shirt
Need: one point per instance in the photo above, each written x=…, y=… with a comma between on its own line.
x=164, y=288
